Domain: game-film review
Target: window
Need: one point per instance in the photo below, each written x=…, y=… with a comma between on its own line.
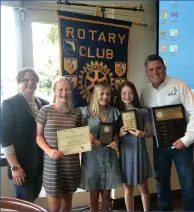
x=8, y=53
x=45, y=56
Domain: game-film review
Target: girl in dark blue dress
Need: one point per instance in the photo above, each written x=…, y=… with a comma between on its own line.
x=135, y=164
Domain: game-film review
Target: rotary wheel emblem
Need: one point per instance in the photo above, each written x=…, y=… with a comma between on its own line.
x=106, y=129
x=90, y=75
x=159, y=114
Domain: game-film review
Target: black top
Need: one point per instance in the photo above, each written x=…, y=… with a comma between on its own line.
x=19, y=129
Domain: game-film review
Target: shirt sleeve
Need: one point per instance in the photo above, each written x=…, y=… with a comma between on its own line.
x=42, y=116
x=7, y=124
x=8, y=150
x=187, y=99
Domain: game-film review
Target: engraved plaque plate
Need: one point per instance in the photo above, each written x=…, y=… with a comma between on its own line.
x=106, y=133
x=129, y=119
x=169, y=123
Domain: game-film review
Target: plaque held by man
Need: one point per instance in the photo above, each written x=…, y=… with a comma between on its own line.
x=169, y=124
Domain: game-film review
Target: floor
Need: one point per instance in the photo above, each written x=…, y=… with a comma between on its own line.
x=138, y=207
x=176, y=202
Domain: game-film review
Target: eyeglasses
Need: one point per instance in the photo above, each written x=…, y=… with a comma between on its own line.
x=26, y=80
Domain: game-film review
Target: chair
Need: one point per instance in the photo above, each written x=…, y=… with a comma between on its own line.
x=12, y=204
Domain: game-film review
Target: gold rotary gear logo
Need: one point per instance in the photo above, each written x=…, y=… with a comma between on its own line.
x=91, y=74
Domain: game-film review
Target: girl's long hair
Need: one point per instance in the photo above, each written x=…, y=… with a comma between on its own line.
x=94, y=105
x=120, y=104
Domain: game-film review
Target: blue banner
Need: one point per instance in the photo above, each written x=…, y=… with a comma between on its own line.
x=92, y=49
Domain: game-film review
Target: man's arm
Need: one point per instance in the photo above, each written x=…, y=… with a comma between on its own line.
x=187, y=99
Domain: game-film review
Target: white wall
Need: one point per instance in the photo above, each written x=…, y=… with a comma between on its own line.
x=142, y=43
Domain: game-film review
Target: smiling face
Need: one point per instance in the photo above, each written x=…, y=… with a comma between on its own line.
x=156, y=72
x=127, y=95
x=63, y=91
x=28, y=84
x=105, y=97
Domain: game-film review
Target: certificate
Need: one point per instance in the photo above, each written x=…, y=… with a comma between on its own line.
x=74, y=140
x=169, y=124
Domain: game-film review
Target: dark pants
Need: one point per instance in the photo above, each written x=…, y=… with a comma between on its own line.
x=30, y=190
x=183, y=160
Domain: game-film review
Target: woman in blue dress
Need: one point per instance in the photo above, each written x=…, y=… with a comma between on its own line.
x=100, y=170
x=135, y=164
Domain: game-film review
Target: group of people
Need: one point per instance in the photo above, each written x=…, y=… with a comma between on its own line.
x=30, y=125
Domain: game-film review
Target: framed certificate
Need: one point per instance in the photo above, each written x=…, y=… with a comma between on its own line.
x=106, y=133
x=169, y=124
x=129, y=119
x=74, y=140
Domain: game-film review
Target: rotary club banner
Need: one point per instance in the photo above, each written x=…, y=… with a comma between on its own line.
x=92, y=49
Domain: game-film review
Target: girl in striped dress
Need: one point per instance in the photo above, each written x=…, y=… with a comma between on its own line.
x=61, y=173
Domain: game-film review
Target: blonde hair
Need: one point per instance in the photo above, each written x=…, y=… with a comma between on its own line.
x=94, y=105
x=58, y=79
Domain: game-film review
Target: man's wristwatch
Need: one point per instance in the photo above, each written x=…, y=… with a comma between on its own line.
x=15, y=168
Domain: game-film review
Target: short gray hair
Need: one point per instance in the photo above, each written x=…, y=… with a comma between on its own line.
x=153, y=57
x=22, y=72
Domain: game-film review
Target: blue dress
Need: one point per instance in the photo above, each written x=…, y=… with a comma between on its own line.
x=134, y=160
x=100, y=167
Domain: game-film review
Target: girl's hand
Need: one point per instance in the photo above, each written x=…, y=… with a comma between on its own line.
x=92, y=137
x=136, y=132
x=113, y=145
x=94, y=140
x=55, y=154
x=123, y=131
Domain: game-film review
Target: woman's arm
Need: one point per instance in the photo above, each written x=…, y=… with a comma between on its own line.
x=7, y=141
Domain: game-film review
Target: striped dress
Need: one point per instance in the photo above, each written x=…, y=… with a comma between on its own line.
x=63, y=175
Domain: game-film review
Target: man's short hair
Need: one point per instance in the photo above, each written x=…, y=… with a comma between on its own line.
x=153, y=57
x=22, y=72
